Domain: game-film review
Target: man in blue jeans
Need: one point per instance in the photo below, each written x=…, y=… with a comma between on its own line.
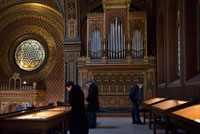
x=134, y=96
x=93, y=103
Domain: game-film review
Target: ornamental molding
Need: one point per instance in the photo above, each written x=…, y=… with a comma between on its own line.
x=72, y=48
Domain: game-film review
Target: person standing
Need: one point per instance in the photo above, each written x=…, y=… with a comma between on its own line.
x=85, y=91
x=93, y=103
x=134, y=96
x=78, y=122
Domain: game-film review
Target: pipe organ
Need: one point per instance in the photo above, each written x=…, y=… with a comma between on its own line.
x=117, y=54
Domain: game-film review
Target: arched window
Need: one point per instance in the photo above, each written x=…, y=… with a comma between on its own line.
x=12, y=83
x=178, y=48
x=137, y=44
x=116, y=41
x=95, y=45
x=18, y=83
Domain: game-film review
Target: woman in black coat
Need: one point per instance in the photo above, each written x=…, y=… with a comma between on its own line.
x=78, y=120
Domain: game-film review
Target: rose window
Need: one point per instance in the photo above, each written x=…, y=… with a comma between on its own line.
x=29, y=55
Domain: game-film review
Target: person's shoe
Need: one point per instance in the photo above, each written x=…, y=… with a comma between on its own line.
x=134, y=122
x=93, y=126
x=140, y=123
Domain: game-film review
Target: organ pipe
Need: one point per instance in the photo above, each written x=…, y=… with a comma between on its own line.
x=137, y=44
x=96, y=45
x=116, y=41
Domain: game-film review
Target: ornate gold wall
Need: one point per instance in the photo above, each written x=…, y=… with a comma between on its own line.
x=21, y=20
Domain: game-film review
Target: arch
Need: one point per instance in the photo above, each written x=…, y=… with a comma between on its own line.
x=140, y=4
x=161, y=47
x=49, y=3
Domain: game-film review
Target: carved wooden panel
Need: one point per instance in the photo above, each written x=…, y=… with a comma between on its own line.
x=95, y=21
x=111, y=14
x=138, y=21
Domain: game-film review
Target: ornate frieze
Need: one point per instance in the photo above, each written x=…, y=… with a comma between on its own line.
x=22, y=97
x=72, y=48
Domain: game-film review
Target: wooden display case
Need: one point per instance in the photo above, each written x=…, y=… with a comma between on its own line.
x=187, y=118
x=36, y=121
x=163, y=109
x=147, y=107
x=153, y=101
x=35, y=109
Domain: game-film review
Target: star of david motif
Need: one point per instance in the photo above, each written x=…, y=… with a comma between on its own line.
x=29, y=55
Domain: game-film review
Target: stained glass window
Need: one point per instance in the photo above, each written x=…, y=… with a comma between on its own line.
x=29, y=55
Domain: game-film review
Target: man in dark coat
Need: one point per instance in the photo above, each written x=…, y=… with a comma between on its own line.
x=134, y=96
x=78, y=122
x=93, y=103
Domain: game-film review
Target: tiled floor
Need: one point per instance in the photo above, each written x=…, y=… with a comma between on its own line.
x=120, y=125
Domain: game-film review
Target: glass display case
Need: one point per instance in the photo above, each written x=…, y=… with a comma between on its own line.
x=39, y=115
x=64, y=108
x=153, y=100
x=37, y=121
x=147, y=107
x=187, y=118
x=165, y=105
x=162, y=110
x=191, y=113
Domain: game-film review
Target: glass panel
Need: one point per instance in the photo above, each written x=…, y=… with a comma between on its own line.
x=39, y=115
x=169, y=104
x=29, y=55
x=153, y=100
x=178, y=39
x=191, y=112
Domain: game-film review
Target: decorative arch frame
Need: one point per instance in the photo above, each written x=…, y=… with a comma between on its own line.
x=30, y=23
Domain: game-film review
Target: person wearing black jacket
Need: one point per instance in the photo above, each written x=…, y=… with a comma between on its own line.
x=93, y=103
x=78, y=122
x=134, y=96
